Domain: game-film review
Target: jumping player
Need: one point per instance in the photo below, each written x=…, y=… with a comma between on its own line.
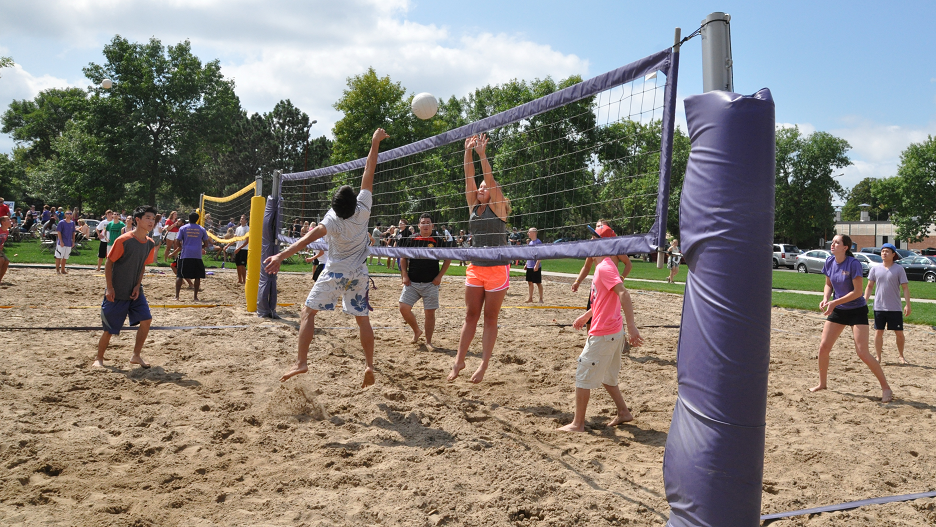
x=123, y=296
x=600, y=361
x=345, y=278
x=421, y=279
x=486, y=281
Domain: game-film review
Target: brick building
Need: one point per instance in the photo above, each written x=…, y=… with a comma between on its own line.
x=875, y=233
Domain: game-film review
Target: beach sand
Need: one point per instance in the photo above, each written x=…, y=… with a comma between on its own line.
x=209, y=435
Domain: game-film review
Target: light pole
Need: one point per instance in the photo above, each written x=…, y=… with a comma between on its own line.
x=305, y=165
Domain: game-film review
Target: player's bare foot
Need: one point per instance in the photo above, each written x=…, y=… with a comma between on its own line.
x=528, y=301
x=478, y=375
x=571, y=428
x=902, y=360
x=817, y=387
x=98, y=363
x=456, y=368
x=138, y=360
x=299, y=368
x=368, y=377
x=622, y=417
x=416, y=334
x=887, y=396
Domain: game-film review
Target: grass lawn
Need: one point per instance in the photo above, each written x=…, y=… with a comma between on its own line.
x=30, y=252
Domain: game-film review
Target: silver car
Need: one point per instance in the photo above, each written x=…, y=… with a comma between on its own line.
x=814, y=261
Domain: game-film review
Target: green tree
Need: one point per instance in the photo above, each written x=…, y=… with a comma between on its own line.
x=912, y=193
x=370, y=102
x=75, y=173
x=12, y=178
x=862, y=194
x=6, y=62
x=805, y=184
x=35, y=124
x=162, y=120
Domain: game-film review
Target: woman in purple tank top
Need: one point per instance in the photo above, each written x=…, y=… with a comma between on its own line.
x=849, y=308
x=486, y=281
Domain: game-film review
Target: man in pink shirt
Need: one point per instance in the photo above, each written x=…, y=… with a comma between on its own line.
x=600, y=361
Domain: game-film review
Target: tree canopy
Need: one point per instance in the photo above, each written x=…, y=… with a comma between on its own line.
x=912, y=193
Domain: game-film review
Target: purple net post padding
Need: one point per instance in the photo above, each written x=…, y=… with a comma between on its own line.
x=266, y=296
x=660, y=61
x=658, y=232
x=633, y=244
x=714, y=459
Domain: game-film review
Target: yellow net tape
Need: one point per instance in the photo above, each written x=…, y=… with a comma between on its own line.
x=249, y=188
x=201, y=220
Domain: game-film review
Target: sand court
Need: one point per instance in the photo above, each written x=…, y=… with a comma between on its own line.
x=209, y=436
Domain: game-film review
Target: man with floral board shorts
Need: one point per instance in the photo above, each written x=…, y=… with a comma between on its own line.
x=600, y=361
x=345, y=277
x=123, y=296
x=421, y=279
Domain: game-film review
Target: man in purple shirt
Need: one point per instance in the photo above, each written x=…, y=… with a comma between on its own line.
x=65, y=240
x=195, y=241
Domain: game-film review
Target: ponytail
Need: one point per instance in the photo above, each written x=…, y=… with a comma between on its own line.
x=847, y=241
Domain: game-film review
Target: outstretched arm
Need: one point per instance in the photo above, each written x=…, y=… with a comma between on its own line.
x=367, y=181
x=471, y=188
x=498, y=203
x=272, y=264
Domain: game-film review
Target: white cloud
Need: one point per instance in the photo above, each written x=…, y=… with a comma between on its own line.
x=302, y=51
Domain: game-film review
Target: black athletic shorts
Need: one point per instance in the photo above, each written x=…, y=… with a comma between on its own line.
x=190, y=268
x=102, y=250
x=857, y=316
x=534, y=277
x=241, y=257
x=892, y=320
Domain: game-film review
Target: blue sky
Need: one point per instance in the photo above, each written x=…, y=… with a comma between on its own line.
x=861, y=70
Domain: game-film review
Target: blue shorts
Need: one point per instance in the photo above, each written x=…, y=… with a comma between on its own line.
x=114, y=314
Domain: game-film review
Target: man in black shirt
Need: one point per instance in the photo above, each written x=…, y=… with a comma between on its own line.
x=421, y=279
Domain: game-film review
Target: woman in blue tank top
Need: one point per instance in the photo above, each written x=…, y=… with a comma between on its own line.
x=486, y=281
x=849, y=308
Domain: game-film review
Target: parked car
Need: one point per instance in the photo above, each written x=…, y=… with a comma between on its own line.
x=814, y=261
x=784, y=254
x=563, y=240
x=871, y=259
x=919, y=268
x=904, y=253
x=93, y=225
x=929, y=251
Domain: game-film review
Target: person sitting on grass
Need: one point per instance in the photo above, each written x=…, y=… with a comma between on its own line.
x=600, y=361
x=123, y=295
x=346, y=277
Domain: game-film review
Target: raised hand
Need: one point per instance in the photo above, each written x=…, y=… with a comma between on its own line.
x=379, y=135
x=481, y=144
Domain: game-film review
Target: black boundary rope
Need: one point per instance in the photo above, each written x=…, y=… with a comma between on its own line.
x=694, y=34
x=768, y=518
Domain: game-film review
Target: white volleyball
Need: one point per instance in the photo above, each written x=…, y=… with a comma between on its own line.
x=106, y=84
x=425, y=105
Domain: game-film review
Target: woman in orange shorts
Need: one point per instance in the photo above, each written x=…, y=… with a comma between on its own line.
x=486, y=281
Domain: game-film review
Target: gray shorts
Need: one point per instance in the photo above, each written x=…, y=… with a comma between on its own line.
x=428, y=291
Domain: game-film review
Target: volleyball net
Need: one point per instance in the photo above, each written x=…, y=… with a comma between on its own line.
x=216, y=213
x=599, y=149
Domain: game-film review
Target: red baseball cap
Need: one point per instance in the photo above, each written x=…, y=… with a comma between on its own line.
x=605, y=232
